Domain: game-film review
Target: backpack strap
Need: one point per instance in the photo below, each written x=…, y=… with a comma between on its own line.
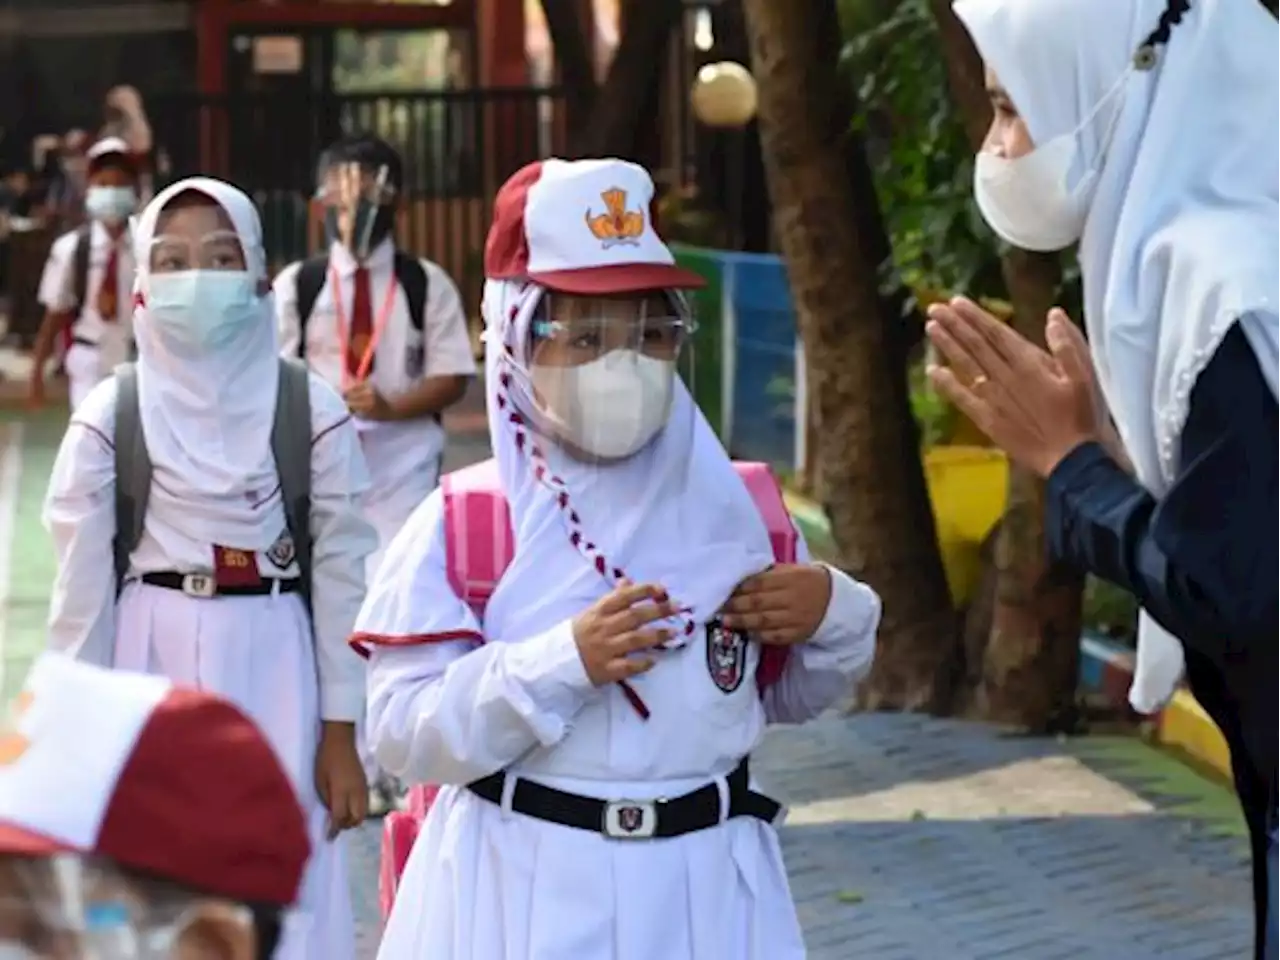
x=133, y=470
x=80, y=264
x=479, y=543
x=412, y=277
x=478, y=540
x=767, y=494
x=291, y=448
x=308, y=282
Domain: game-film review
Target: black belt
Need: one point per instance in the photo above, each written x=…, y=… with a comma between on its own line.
x=204, y=585
x=633, y=819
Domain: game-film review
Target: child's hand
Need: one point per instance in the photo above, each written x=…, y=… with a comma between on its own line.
x=782, y=606
x=340, y=777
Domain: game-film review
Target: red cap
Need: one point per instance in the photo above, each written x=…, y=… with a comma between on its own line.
x=171, y=782
x=581, y=227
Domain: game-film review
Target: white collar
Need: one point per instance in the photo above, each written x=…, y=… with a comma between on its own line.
x=341, y=260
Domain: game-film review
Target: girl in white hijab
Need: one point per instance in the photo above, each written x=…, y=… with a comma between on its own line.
x=592, y=725
x=212, y=594
x=1147, y=132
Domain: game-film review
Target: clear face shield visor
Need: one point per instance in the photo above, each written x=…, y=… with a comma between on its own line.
x=66, y=907
x=351, y=195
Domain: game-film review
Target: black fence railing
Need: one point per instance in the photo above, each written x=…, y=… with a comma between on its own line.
x=458, y=147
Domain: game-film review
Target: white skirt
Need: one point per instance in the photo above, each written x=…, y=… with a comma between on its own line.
x=482, y=884
x=258, y=653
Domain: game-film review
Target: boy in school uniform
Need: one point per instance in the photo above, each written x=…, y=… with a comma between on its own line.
x=228, y=481
x=122, y=834
x=87, y=285
x=386, y=329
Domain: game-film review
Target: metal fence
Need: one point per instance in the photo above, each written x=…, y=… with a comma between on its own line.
x=458, y=147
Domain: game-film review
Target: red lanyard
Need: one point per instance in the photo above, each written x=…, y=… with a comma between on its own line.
x=344, y=329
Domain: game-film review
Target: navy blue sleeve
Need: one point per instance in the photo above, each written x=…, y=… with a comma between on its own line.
x=1202, y=560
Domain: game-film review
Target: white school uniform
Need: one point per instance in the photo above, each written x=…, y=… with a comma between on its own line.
x=452, y=700
x=207, y=424
x=99, y=344
x=403, y=457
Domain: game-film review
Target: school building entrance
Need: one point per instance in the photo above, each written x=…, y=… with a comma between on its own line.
x=445, y=82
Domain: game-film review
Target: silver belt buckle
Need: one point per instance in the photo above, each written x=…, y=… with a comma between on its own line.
x=630, y=819
x=202, y=585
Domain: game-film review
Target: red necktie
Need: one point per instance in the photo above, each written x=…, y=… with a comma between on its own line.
x=109, y=291
x=361, y=332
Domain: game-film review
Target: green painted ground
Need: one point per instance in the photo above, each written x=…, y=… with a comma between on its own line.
x=31, y=565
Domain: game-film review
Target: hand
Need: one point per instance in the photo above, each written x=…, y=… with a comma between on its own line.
x=340, y=778
x=613, y=629
x=1034, y=405
x=35, y=395
x=366, y=402
x=782, y=606
x=1108, y=436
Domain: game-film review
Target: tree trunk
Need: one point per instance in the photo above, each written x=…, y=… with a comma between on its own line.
x=575, y=60
x=1030, y=665
x=628, y=99
x=610, y=119
x=869, y=468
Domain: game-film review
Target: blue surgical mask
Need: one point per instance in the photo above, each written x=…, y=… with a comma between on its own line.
x=203, y=308
x=110, y=204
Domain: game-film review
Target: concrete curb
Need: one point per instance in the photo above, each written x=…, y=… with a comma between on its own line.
x=1106, y=670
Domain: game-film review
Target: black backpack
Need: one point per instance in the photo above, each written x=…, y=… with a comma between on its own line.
x=410, y=274
x=290, y=444
x=80, y=265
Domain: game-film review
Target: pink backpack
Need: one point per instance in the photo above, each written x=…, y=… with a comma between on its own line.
x=478, y=546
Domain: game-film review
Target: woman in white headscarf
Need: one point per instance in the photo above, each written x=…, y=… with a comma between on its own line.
x=212, y=596
x=592, y=732
x=1146, y=131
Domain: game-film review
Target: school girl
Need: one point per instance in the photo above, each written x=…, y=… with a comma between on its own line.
x=594, y=727
x=213, y=591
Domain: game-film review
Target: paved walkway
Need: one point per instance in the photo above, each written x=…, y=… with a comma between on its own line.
x=908, y=838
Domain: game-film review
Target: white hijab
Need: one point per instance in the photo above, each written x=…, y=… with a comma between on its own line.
x=207, y=413
x=1181, y=240
x=675, y=513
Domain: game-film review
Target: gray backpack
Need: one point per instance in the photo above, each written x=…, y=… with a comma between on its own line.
x=290, y=445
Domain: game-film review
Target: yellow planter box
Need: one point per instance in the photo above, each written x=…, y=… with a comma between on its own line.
x=967, y=487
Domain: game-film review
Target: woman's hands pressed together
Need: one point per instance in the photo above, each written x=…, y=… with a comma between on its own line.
x=1034, y=405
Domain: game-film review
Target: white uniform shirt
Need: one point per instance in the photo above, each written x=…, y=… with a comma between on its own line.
x=402, y=454
x=80, y=514
x=101, y=343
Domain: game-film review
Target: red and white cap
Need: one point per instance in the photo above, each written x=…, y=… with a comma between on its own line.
x=581, y=227
x=171, y=782
x=113, y=147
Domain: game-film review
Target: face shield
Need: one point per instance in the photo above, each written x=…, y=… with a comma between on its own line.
x=599, y=394
x=67, y=907
x=359, y=205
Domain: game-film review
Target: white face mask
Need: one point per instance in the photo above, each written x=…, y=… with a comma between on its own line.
x=203, y=308
x=611, y=407
x=110, y=204
x=1030, y=200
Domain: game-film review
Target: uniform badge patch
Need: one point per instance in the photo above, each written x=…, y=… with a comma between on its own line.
x=282, y=552
x=726, y=656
